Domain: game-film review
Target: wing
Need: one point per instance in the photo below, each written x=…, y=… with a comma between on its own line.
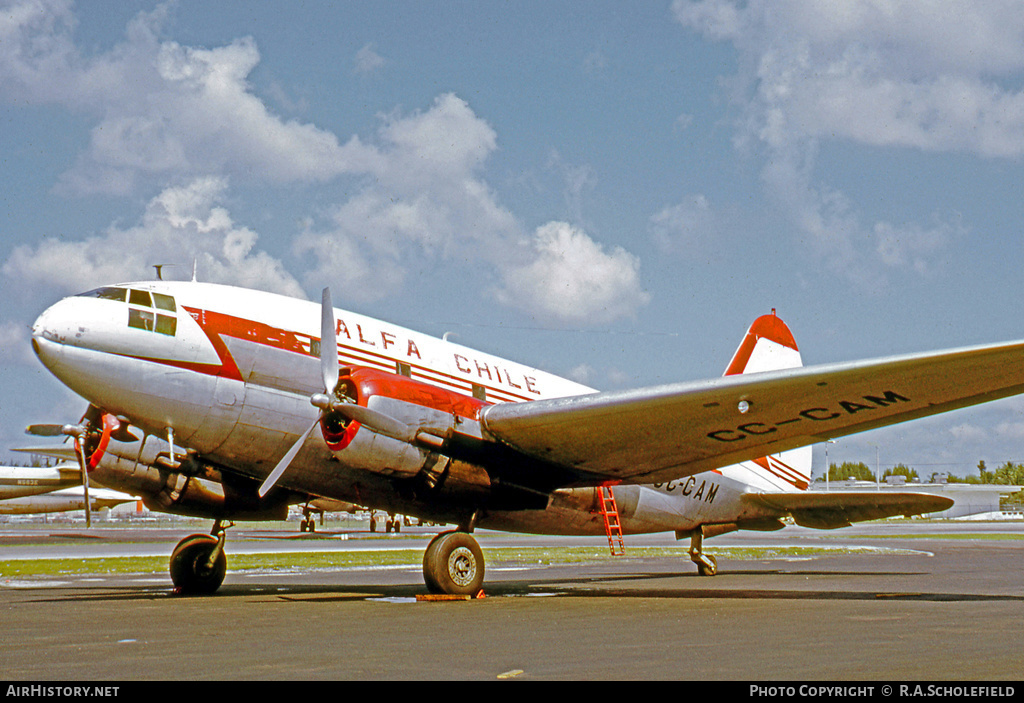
x=62, y=452
x=667, y=432
x=826, y=511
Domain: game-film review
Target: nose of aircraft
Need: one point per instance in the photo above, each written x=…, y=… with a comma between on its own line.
x=51, y=331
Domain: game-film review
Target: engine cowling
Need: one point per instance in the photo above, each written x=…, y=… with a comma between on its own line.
x=434, y=415
x=129, y=460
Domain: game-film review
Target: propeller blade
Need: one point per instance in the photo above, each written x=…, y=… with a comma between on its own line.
x=45, y=430
x=84, y=465
x=328, y=371
x=328, y=343
x=376, y=421
x=285, y=461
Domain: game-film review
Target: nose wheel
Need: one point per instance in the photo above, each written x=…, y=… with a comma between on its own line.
x=198, y=564
x=454, y=564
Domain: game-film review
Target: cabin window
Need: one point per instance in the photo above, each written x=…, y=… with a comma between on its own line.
x=479, y=392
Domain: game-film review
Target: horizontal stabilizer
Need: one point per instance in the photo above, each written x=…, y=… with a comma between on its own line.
x=830, y=510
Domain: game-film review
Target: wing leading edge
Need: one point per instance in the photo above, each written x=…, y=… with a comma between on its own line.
x=668, y=432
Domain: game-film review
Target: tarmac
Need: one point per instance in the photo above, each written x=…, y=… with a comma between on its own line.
x=883, y=602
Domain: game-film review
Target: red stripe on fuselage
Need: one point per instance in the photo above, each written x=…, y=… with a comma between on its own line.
x=216, y=326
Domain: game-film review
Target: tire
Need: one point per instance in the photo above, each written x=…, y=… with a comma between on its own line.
x=454, y=564
x=708, y=569
x=188, y=566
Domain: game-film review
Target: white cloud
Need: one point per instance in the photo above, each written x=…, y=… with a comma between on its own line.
x=968, y=433
x=15, y=346
x=428, y=202
x=896, y=72
x=168, y=113
x=934, y=76
x=368, y=60
x=179, y=225
x=162, y=109
x=686, y=226
x=572, y=279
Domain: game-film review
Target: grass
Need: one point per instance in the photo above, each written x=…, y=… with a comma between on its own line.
x=412, y=558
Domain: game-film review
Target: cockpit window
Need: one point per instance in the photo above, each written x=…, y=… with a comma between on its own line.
x=148, y=319
x=166, y=324
x=106, y=293
x=163, y=302
x=140, y=297
x=142, y=319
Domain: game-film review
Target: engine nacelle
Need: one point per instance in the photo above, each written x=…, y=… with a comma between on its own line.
x=436, y=414
x=129, y=460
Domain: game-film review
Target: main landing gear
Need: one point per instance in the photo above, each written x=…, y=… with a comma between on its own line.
x=198, y=563
x=308, y=523
x=453, y=564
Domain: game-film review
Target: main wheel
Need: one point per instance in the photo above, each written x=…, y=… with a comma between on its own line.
x=453, y=564
x=190, y=570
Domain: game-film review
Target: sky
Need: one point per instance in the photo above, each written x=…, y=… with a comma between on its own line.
x=609, y=191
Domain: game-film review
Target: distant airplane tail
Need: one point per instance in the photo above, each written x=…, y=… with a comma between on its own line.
x=769, y=346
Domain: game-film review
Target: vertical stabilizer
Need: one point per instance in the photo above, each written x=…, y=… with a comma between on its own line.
x=769, y=346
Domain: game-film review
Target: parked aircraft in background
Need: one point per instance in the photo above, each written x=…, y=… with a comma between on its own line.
x=21, y=481
x=29, y=490
x=64, y=500
x=204, y=398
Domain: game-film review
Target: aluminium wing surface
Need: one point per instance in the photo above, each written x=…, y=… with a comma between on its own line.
x=668, y=432
x=835, y=509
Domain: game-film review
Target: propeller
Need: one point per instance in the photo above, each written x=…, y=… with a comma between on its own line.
x=79, y=432
x=328, y=402
x=324, y=401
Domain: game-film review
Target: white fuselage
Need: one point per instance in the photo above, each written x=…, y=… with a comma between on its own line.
x=227, y=374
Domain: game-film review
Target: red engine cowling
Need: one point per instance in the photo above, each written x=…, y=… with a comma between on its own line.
x=435, y=412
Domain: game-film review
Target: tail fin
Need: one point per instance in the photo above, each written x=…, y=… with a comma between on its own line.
x=769, y=346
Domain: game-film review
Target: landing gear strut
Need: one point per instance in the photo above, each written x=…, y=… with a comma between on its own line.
x=707, y=565
x=198, y=563
x=453, y=564
x=308, y=523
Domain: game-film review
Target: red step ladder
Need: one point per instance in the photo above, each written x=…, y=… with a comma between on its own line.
x=612, y=526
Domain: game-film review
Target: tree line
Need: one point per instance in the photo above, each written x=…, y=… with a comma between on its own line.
x=1007, y=474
